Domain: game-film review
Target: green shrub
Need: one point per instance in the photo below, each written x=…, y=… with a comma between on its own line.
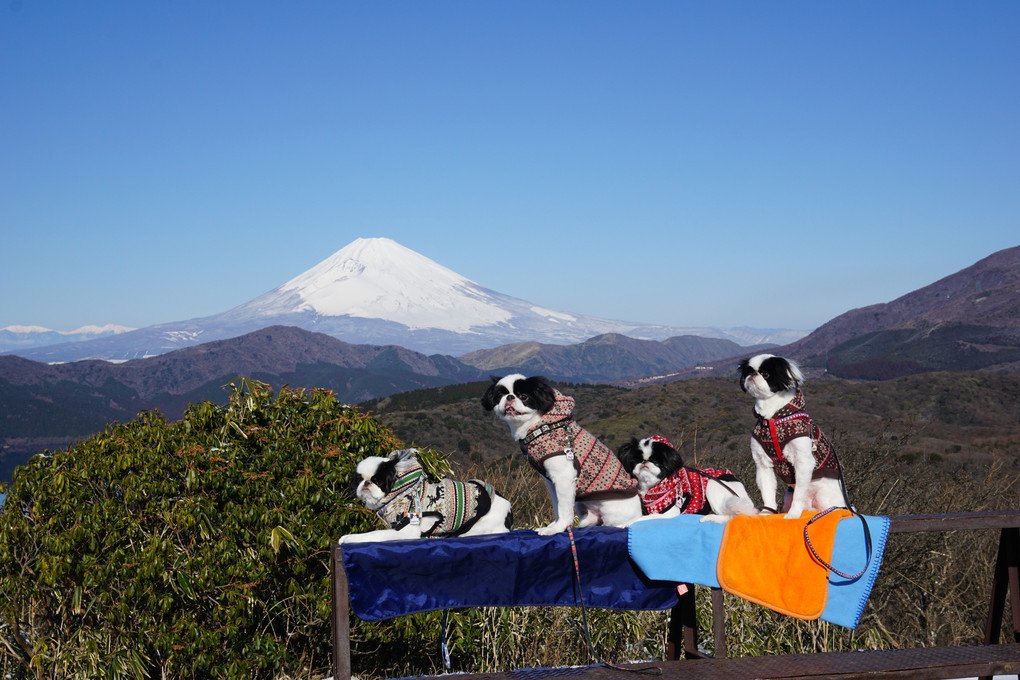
x=198, y=548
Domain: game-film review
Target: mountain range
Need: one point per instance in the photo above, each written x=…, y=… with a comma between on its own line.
x=606, y=358
x=375, y=291
x=24, y=338
x=969, y=321
x=50, y=405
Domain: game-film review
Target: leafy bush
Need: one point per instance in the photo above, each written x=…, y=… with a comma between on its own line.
x=198, y=548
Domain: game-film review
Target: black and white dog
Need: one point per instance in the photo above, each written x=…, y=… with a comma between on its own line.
x=397, y=489
x=786, y=442
x=577, y=467
x=668, y=488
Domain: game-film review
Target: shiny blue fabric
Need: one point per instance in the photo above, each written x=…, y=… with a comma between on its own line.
x=519, y=568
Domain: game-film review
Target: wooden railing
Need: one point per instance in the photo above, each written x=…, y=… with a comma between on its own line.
x=923, y=663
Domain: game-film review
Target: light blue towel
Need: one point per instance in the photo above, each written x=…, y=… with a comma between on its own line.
x=681, y=549
x=686, y=550
x=847, y=598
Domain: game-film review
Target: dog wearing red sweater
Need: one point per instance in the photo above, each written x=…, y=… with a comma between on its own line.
x=786, y=443
x=668, y=488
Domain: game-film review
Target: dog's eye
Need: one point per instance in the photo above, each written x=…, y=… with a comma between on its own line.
x=525, y=399
x=764, y=374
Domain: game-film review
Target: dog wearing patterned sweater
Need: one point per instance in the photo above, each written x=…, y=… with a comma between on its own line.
x=669, y=488
x=397, y=489
x=578, y=468
x=786, y=442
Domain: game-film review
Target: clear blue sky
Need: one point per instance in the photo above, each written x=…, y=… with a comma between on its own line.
x=769, y=164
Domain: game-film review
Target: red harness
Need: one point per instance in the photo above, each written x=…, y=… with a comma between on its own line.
x=774, y=431
x=786, y=424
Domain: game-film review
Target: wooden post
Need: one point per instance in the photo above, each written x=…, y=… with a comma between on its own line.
x=718, y=623
x=683, y=627
x=341, y=621
x=1005, y=579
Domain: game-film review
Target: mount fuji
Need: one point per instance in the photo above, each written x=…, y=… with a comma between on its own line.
x=376, y=291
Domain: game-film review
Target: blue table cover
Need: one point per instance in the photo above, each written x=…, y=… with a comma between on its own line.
x=519, y=568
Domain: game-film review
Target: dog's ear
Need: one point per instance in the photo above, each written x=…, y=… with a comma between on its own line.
x=783, y=375
x=628, y=453
x=745, y=370
x=796, y=377
x=490, y=398
x=671, y=458
x=385, y=475
x=541, y=391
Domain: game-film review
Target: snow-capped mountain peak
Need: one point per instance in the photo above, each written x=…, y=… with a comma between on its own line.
x=374, y=291
x=377, y=278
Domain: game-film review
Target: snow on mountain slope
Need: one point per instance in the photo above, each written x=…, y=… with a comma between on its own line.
x=380, y=279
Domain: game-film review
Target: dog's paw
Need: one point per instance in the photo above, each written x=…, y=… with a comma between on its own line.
x=552, y=529
x=716, y=519
x=793, y=514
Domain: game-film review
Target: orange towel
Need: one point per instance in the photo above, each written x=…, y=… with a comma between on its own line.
x=765, y=559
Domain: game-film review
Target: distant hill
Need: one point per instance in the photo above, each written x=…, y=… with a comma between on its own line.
x=603, y=358
x=48, y=406
x=967, y=321
x=23, y=338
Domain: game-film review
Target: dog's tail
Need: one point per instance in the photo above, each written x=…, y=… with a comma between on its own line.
x=739, y=505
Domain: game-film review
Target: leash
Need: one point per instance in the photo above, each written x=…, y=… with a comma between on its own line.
x=444, y=648
x=648, y=670
x=811, y=433
x=814, y=553
x=853, y=511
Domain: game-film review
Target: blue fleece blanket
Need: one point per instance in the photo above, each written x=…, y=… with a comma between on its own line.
x=519, y=568
x=685, y=550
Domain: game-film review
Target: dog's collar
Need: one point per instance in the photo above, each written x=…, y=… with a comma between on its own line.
x=793, y=408
x=544, y=428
